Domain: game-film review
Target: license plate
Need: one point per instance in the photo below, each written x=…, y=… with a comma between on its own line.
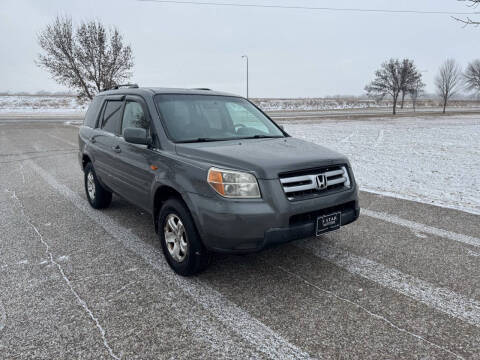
x=329, y=222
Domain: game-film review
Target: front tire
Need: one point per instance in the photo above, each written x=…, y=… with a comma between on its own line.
x=97, y=195
x=180, y=241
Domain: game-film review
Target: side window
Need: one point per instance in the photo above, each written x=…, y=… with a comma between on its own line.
x=92, y=112
x=112, y=116
x=134, y=116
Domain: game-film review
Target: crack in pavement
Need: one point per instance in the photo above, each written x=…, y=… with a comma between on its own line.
x=22, y=173
x=65, y=278
x=347, y=138
x=369, y=312
x=3, y=317
x=379, y=139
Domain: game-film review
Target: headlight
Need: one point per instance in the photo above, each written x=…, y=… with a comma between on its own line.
x=233, y=184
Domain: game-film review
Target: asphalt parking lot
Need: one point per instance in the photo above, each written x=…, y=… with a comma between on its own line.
x=402, y=282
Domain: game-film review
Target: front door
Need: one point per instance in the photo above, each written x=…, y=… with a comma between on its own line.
x=104, y=143
x=133, y=165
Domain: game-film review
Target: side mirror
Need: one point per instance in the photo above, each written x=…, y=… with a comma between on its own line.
x=136, y=136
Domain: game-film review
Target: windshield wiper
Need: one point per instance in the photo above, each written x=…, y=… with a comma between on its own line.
x=201, y=139
x=205, y=139
x=263, y=137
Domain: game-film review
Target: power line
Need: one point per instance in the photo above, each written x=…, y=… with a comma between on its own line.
x=298, y=7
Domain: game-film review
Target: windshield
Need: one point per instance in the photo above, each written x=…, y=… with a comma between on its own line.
x=196, y=118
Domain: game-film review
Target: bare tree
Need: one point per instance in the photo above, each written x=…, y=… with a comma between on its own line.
x=409, y=78
x=469, y=21
x=415, y=92
x=387, y=82
x=448, y=80
x=87, y=59
x=472, y=76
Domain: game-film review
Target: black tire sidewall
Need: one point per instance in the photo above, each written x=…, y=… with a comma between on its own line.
x=89, y=169
x=190, y=265
x=102, y=196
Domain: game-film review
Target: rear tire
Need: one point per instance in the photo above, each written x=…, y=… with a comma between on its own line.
x=180, y=241
x=97, y=195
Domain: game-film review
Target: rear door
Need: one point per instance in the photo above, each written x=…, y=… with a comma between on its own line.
x=104, y=143
x=134, y=160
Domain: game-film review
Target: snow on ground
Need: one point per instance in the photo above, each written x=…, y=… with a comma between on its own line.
x=350, y=103
x=40, y=103
x=432, y=160
x=316, y=104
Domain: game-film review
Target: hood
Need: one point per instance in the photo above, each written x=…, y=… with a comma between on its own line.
x=266, y=157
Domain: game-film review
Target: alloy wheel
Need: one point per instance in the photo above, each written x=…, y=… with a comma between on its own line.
x=175, y=238
x=91, y=186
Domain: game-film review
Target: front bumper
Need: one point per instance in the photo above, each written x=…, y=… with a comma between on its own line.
x=350, y=213
x=245, y=226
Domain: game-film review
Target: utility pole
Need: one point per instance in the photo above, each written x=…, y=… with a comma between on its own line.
x=246, y=57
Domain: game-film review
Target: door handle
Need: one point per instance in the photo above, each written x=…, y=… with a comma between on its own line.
x=116, y=149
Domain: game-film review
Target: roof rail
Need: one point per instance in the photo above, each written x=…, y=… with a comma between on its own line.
x=130, y=86
x=206, y=89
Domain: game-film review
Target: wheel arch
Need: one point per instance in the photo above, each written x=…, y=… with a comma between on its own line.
x=162, y=194
x=85, y=160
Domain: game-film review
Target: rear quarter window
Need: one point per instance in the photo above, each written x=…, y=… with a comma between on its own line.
x=92, y=112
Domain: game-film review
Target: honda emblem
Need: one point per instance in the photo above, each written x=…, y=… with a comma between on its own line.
x=321, y=182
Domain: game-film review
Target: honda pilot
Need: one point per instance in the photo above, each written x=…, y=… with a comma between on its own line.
x=213, y=170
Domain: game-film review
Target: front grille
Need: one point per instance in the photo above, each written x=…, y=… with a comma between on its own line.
x=315, y=182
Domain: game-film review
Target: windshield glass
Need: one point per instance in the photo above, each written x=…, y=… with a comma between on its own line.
x=195, y=118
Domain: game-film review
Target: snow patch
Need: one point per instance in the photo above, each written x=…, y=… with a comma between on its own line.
x=420, y=235
x=439, y=298
x=34, y=103
x=473, y=253
x=317, y=104
x=421, y=228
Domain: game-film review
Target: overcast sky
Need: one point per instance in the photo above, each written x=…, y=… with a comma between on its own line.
x=293, y=53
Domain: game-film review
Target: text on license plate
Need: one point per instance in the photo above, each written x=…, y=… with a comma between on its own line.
x=328, y=222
